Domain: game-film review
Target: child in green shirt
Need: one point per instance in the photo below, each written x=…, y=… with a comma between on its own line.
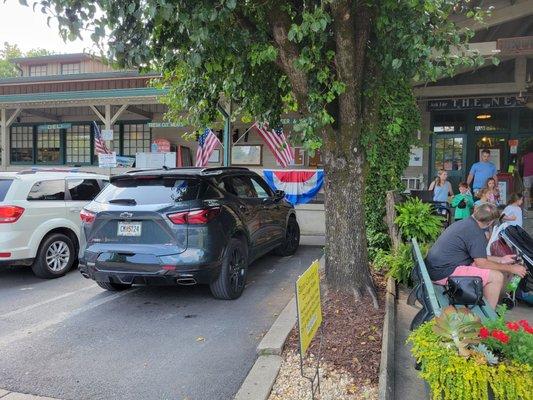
x=463, y=202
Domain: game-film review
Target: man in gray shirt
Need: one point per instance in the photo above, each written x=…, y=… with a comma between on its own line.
x=461, y=250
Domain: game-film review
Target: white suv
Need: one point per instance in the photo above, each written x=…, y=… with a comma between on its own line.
x=40, y=218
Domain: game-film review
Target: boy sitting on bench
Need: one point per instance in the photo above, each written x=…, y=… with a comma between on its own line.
x=461, y=250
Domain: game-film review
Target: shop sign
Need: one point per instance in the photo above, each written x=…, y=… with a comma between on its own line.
x=516, y=45
x=51, y=127
x=308, y=305
x=513, y=146
x=160, y=146
x=164, y=125
x=107, y=134
x=473, y=103
x=289, y=121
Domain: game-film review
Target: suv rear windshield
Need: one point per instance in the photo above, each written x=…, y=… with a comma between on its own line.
x=157, y=190
x=4, y=187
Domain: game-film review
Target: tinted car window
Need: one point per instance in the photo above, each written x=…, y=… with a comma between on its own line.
x=83, y=189
x=243, y=187
x=150, y=191
x=48, y=190
x=4, y=187
x=260, y=188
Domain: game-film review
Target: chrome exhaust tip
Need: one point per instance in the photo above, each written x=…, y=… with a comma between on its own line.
x=186, y=281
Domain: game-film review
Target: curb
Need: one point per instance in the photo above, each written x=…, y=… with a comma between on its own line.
x=6, y=395
x=386, y=365
x=259, y=381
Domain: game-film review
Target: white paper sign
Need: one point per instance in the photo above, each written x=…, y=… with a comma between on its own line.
x=107, y=160
x=416, y=156
x=107, y=134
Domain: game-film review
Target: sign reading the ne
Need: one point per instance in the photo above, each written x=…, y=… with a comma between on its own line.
x=308, y=305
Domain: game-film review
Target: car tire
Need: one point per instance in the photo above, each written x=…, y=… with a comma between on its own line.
x=292, y=239
x=114, y=287
x=230, y=282
x=55, y=257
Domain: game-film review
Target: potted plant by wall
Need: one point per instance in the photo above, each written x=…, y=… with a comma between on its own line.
x=461, y=357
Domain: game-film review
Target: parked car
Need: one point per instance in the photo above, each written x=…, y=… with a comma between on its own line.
x=185, y=226
x=40, y=218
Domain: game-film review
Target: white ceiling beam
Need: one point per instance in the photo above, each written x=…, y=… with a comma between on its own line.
x=117, y=114
x=98, y=113
x=12, y=117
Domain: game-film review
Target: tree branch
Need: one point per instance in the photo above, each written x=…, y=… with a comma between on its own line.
x=288, y=53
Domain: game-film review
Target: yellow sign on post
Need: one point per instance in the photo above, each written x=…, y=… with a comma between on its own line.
x=308, y=305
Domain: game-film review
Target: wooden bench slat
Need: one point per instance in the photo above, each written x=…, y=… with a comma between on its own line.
x=426, y=280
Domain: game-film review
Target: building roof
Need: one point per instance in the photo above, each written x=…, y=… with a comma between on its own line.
x=53, y=57
x=77, y=77
x=79, y=97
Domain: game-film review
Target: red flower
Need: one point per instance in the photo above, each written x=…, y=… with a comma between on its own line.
x=528, y=329
x=500, y=336
x=523, y=323
x=484, y=333
x=513, y=326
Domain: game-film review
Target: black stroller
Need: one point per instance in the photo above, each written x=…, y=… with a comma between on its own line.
x=511, y=239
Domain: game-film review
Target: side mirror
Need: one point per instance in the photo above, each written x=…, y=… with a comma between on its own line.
x=279, y=194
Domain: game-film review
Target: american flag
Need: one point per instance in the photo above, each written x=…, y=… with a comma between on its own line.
x=99, y=143
x=277, y=142
x=207, y=142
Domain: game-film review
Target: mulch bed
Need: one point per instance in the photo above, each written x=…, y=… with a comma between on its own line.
x=352, y=334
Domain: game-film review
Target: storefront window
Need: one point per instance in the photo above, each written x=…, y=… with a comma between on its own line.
x=22, y=144
x=79, y=144
x=49, y=147
x=526, y=119
x=491, y=121
x=449, y=122
x=136, y=139
x=449, y=154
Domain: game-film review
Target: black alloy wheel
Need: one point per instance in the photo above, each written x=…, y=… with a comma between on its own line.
x=292, y=239
x=231, y=281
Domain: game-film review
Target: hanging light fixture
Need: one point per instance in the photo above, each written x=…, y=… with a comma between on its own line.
x=483, y=116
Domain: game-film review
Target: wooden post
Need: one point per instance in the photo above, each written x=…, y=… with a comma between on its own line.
x=392, y=199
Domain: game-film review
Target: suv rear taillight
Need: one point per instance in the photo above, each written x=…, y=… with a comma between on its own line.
x=87, y=216
x=194, y=217
x=10, y=214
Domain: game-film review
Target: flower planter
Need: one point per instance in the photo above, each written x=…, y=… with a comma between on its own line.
x=461, y=358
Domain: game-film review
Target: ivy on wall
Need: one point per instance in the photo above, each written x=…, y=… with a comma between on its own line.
x=387, y=148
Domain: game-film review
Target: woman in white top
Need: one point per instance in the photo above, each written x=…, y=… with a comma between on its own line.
x=513, y=211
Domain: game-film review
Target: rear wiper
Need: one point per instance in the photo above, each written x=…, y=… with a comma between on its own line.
x=130, y=202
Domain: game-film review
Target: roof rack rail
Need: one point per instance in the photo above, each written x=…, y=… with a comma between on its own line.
x=63, y=170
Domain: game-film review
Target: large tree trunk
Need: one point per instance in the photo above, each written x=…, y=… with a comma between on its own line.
x=347, y=266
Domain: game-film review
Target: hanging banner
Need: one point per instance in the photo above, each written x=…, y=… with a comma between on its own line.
x=300, y=186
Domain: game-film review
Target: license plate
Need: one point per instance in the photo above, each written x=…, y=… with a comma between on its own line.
x=129, y=229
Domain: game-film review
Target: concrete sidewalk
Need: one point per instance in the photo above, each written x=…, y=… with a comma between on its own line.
x=5, y=395
x=408, y=384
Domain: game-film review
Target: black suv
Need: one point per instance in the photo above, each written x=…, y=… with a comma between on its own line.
x=184, y=226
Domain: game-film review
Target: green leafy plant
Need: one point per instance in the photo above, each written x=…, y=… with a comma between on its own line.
x=417, y=220
x=457, y=328
x=451, y=376
x=398, y=263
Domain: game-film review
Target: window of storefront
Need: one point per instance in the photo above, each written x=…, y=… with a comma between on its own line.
x=525, y=120
x=449, y=122
x=79, y=144
x=22, y=144
x=70, y=68
x=73, y=145
x=492, y=121
x=136, y=139
x=38, y=70
x=49, y=147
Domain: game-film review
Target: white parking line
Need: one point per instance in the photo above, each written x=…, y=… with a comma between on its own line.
x=33, y=329
x=42, y=303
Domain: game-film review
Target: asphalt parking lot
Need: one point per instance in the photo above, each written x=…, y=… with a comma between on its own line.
x=69, y=339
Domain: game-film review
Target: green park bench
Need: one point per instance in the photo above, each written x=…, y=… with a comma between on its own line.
x=431, y=296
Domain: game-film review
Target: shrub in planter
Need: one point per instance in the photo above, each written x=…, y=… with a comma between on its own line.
x=461, y=358
x=417, y=220
x=398, y=263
